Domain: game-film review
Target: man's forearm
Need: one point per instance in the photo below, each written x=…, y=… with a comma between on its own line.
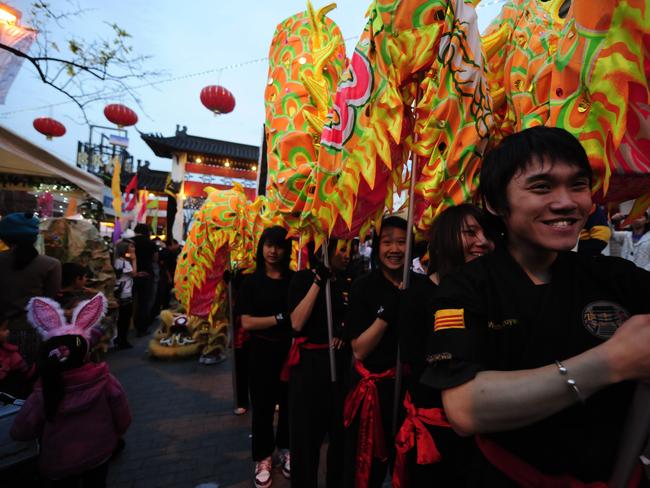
x=304, y=309
x=368, y=340
x=257, y=323
x=496, y=401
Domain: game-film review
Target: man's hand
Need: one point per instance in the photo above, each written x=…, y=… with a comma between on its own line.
x=629, y=350
x=337, y=343
x=321, y=274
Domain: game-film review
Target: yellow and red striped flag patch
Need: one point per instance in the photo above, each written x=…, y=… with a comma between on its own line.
x=450, y=318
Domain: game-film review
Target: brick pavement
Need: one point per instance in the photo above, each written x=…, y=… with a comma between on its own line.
x=183, y=431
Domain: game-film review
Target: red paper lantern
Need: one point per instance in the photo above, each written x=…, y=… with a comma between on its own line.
x=49, y=127
x=120, y=115
x=217, y=99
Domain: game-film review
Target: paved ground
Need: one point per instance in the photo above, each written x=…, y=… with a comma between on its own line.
x=183, y=431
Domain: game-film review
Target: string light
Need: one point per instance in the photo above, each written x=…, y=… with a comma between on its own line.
x=228, y=67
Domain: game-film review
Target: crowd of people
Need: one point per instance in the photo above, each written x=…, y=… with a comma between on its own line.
x=48, y=356
x=511, y=362
x=499, y=358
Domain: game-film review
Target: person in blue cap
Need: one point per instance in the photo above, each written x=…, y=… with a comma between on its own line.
x=24, y=274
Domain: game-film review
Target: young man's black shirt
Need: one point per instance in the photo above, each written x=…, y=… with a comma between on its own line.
x=144, y=252
x=510, y=324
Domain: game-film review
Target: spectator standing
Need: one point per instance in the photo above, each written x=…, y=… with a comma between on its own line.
x=596, y=234
x=168, y=259
x=635, y=243
x=143, y=285
x=126, y=269
x=24, y=274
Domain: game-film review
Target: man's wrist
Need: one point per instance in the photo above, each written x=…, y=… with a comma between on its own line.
x=614, y=361
x=382, y=321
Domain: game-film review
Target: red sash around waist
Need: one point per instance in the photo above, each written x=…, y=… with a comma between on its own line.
x=371, y=433
x=293, y=359
x=527, y=476
x=414, y=433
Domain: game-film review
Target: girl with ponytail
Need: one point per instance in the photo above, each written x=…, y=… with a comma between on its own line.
x=78, y=409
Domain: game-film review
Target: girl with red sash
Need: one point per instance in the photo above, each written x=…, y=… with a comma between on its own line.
x=372, y=330
x=429, y=452
x=315, y=403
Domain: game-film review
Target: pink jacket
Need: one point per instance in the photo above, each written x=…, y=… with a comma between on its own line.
x=11, y=361
x=92, y=416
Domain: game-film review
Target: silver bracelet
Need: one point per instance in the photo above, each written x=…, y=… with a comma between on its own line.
x=570, y=381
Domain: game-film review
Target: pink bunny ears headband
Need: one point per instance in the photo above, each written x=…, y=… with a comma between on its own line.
x=47, y=317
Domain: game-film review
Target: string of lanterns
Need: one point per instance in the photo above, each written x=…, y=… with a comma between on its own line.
x=229, y=67
x=215, y=98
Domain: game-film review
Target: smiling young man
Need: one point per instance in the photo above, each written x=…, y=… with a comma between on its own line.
x=534, y=347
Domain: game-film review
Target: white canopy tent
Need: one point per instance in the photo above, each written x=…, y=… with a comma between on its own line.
x=19, y=156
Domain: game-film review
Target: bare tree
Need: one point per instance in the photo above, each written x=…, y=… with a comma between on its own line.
x=83, y=70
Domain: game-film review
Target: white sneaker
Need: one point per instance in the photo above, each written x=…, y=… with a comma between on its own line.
x=212, y=359
x=285, y=460
x=263, y=473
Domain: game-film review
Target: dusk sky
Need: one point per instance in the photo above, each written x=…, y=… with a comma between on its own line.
x=189, y=42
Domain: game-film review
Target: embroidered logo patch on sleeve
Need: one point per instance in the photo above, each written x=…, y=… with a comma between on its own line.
x=450, y=318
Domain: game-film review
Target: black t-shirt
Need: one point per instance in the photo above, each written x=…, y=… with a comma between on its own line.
x=169, y=258
x=415, y=327
x=496, y=319
x=144, y=251
x=315, y=328
x=368, y=293
x=261, y=296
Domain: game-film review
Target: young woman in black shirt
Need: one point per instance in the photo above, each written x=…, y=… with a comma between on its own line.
x=315, y=402
x=263, y=308
x=435, y=457
x=372, y=330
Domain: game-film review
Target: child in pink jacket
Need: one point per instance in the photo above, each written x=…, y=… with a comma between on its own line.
x=78, y=409
x=16, y=376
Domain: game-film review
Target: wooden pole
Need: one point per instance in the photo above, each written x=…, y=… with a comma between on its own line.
x=634, y=438
x=406, y=276
x=328, y=307
x=231, y=318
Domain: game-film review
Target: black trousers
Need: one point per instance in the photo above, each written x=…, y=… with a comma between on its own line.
x=124, y=321
x=241, y=374
x=379, y=469
x=95, y=478
x=267, y=391
x=143, y=294
x=316, y=406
